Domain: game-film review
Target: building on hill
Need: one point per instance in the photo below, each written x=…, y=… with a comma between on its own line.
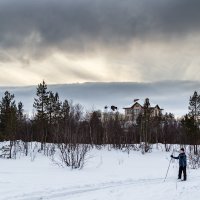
x=133, y=111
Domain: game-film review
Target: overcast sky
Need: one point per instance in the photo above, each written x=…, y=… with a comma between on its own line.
x=69, y=41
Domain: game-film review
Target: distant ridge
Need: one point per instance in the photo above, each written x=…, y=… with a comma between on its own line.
x=173, y=96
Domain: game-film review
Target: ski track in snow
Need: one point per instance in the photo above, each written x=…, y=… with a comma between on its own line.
x=184, y=191
x=78, y=190
x=110, y=175
x=51, y=194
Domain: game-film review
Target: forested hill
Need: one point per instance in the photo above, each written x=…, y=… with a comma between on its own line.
x=173, y=96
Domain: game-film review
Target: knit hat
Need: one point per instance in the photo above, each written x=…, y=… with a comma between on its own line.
x=182, y=149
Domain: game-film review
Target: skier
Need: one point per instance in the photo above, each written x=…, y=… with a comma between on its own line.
x=182, y=164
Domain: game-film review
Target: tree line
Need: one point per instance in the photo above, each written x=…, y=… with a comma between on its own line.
x=63, y=122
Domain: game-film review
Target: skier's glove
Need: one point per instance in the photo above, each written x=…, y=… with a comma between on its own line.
x=171, y=156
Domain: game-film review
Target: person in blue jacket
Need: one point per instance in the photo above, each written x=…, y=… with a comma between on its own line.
x=182, y=164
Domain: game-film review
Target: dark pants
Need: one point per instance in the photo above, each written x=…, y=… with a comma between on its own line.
x=182, y=169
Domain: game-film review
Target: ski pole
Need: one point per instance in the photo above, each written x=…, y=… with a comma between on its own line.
x=168, y=167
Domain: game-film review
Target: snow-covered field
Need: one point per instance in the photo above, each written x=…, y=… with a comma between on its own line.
x=108, y=175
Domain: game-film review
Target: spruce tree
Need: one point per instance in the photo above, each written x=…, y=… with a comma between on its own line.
x=65, y=121
x=20, y=111
x=41, y=104
x=145, y=120
x=21, y=122
x=194, y=106
x=53, y=114
x=8, y=119
x=194, y=113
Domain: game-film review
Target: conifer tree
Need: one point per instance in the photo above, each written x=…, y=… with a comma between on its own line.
x=194, y=106
x=20, y=111
x=53, y=113
x=8, y=119
x=145, y=120
x=40, y=104
x=194, y=113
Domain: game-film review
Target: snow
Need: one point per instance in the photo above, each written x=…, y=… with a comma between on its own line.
x=110, y=175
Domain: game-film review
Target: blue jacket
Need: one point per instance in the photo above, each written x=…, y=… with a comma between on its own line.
x=182, y=159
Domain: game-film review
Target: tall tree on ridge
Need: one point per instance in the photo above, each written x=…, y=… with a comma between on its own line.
x=53, y=114
x=40, y=104
x=194, y=106
x=8, y=119
x=194, y=113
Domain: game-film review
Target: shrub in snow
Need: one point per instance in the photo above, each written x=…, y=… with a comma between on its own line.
x=146, y=147
x=34, y=150
x=5, y=151
x=74, y=155
x=194, y=160
x=11, y=149
x=48, y=149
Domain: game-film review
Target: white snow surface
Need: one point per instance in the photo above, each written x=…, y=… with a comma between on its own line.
x=108, y=175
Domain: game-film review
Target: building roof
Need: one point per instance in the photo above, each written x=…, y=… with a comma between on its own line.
x=133, y=104
x=141, y=104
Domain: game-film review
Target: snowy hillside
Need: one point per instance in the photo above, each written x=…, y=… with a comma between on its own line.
x=109, y=175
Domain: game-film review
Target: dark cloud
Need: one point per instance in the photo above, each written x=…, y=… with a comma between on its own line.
x=81, y=26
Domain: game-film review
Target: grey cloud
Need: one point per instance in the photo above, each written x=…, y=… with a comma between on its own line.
x=4, y=58
x=84, y=75
x=82, y=25
x=80, y=74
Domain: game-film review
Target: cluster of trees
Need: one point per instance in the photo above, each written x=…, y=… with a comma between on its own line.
x=191, y=123
x=167, y=129
x=62, y=122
